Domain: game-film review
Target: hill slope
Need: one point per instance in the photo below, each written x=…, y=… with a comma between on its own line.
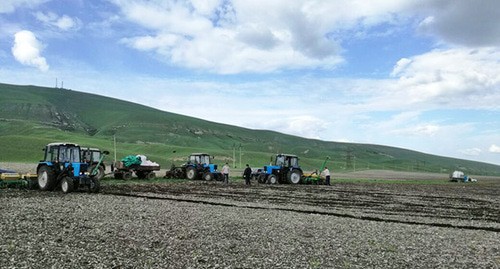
x=31, y=117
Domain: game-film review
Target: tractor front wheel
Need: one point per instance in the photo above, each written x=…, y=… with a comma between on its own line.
x=67, y=185
x=272, y=179
x=208, y=176
x=46, y=178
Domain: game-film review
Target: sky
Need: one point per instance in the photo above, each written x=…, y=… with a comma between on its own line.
x=417, y=74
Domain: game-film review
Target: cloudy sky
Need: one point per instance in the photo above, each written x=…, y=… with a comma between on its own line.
x=416, y=74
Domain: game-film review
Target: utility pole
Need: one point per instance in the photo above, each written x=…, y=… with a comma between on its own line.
x=114, y=145
x=240, y=156
x=234, y=155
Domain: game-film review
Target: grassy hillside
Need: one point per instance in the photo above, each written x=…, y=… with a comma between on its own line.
x=31, y=117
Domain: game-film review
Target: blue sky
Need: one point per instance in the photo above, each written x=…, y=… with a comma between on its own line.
x=416, y=74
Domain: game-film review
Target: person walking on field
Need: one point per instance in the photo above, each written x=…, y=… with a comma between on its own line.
x=225, y=172
x=326, y=174
x=247, y=174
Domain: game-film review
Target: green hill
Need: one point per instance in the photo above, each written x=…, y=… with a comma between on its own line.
x=31, y=117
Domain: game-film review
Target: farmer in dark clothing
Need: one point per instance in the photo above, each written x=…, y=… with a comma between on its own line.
x=247, y=174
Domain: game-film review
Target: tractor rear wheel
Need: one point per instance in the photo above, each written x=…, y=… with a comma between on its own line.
x=67, y=185
x=294, y=177
x=46, y=178
x=100, y=171
x=272, y=179
x=191, y=173
x=208, y=176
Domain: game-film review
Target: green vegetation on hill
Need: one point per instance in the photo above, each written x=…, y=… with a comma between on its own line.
x=31, y=117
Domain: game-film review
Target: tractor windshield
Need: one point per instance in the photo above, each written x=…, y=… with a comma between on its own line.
x=280, y=160
x=62, y=153
x=69, y=154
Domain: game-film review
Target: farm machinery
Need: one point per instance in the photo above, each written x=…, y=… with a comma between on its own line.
x=10, y=178
x=315, y=177
x=62, y=167
x=138, y=164
x=198, y=166
x=92, y=156
x=285, y=169
x=459, y=176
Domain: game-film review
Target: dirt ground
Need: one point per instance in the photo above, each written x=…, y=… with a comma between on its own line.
x=197, y=224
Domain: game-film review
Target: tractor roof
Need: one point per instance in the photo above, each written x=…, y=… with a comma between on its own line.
x=287, y=155
x=91, y=149
x=62, y=144
x=200, y=154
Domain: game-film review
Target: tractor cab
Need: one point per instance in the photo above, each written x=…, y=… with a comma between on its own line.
x=91, y=155
x=204, y=160
x=284, y=160
x=62, y=155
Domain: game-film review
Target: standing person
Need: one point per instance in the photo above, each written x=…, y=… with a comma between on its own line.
x=225, y=172
x=326, y=173
x=247, y=174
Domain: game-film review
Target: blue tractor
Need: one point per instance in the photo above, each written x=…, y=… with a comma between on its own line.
x=200, y=166
x=62, y=167
x=285, y=169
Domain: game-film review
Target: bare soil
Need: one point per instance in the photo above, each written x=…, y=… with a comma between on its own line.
x=197, y=224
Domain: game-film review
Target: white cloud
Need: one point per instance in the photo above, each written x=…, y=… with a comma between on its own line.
x=8, y=6
x=453, y=78
x=249, y=36
x=494, y=149
x=63, y=22
x=27, y=50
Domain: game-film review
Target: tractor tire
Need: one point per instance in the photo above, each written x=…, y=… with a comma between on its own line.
x=46, y=178
x=294, y=177
x=100, y=171
x=150, y=175
x=191, y=173
x=67, y=185
x=127, y=175
x=272, y=179
x=208, y=176
x=95, y=185
x=118, y=175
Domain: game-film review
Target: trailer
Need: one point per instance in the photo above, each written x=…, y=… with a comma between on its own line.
x=138, y=164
